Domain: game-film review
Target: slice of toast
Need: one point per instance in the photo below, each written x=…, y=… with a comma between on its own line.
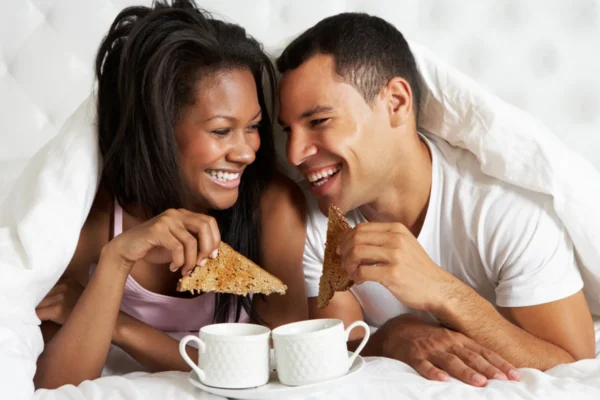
x=334, y=277
x=232, y=273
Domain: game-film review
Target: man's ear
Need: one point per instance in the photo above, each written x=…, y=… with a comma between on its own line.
x=399, y=101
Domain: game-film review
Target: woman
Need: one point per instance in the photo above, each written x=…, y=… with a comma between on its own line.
x=186, y=141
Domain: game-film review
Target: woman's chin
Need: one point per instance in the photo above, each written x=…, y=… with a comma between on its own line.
x=222, y=202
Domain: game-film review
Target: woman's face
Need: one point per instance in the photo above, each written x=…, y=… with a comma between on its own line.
x=218, y=137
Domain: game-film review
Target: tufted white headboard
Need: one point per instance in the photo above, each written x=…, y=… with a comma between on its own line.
x=541, y=55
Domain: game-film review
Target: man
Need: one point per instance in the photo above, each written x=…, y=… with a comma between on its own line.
x=434, y=236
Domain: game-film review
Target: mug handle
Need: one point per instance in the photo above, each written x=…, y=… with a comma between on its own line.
x=362, y=344
x=201, y=349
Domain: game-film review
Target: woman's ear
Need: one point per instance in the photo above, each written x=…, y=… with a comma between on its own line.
x=398, y=96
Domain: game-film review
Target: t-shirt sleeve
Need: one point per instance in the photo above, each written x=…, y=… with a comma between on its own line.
x=314, y=248
x=530, y=251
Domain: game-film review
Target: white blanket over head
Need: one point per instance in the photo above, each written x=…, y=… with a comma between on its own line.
x=40, y=222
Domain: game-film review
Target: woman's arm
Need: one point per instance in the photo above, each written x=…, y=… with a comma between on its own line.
x=282, y=244
x=282, y=237
x=151, y=347
x=78, y=350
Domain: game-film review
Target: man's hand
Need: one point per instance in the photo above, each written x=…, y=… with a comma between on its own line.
x=438, y=353
x=389, y=253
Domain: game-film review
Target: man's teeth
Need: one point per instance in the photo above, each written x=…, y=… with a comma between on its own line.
x=313, y=178
x=223, y=176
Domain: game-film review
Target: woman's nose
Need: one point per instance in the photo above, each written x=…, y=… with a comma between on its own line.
x=244, y=148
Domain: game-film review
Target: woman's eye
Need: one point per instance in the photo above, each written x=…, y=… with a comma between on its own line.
x=255, y=127
x=221, y=132
x=316, y=122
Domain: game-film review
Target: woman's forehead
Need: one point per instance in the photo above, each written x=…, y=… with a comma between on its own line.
x=227, y=93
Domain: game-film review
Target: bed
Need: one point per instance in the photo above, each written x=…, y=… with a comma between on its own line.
x=535, y=55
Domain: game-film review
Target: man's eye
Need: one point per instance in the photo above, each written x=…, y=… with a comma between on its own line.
x=221, y=132
x=286, y=130
x=316, y=122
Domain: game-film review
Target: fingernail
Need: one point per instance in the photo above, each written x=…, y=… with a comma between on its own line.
x=214, y=254
x=514, y=375
x=188, y=273
x=173, y=268
x=202, y=263
x=337, y=251
x=500, y=377
x=479, y=379
x=442, y=377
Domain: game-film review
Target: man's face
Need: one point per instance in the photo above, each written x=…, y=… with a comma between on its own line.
x=340, y=143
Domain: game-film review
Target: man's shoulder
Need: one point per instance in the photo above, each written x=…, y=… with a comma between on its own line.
x=488, y=205
x=462, y=169
x=462, y=175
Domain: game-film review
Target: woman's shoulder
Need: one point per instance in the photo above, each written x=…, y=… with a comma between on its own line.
x=94, y=234
x=282, y=211
x=283, y=195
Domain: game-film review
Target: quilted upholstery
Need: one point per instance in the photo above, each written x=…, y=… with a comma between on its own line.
x=536, y=54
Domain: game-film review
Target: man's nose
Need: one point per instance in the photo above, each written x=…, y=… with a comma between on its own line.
x=299, y=147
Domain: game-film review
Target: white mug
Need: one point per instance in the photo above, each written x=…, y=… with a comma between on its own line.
x=313, y=351
x=230, y=355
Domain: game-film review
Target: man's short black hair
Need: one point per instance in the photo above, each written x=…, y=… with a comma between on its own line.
x=368, y=52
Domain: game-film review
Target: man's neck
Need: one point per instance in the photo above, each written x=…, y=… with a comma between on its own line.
x=406, y=197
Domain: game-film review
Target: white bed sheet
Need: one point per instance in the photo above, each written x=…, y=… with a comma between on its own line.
x=380, y=379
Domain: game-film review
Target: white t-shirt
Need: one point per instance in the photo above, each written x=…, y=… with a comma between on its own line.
x=505, y=242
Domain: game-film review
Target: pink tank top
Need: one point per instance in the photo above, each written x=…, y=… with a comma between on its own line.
x=169, y=314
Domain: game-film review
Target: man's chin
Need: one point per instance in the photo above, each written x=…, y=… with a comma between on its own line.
x=325, y=202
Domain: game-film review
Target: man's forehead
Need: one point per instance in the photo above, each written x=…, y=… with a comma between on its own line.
x=307, y=92
x=307, y=102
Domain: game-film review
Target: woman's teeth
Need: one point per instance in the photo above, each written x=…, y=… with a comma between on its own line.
x=322, y=177
x=223, y=176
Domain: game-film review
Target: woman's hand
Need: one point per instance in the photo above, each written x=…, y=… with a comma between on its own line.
x=179, y=237
x=59, y=302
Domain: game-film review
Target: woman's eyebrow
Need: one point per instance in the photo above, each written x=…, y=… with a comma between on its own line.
x=230, y=117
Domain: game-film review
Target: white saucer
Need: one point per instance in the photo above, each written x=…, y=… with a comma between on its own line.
x=275, y=389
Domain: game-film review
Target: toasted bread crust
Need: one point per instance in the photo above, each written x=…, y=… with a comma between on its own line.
x=334, y=277
x=232, y=273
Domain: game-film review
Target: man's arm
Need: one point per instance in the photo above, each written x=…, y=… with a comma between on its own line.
x=404, y=338
x=434, y=351
x=543, y=319
x=388, y=253
x=540, y=337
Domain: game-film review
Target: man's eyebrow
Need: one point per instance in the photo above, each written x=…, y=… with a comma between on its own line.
x=315, y=110
x=310, y=112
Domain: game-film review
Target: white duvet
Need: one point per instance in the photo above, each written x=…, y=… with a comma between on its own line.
x=41, y=218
